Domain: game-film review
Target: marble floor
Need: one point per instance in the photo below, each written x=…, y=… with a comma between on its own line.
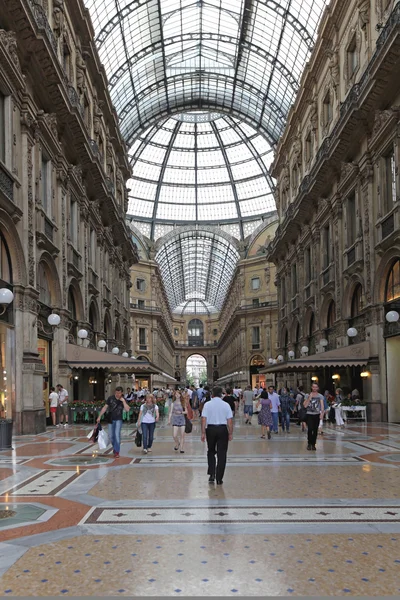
x=74, y=521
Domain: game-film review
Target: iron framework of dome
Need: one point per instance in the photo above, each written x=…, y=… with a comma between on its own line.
x=242, y=57
x=199, y=167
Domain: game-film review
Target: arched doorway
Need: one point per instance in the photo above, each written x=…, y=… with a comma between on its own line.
x=256, y=378
x=195, y=332
x=7, y=336
x=392, y=335
x=196, y=369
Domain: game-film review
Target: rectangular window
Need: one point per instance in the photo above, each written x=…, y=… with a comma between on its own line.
x=351, y=220
x=73, y=222
x=255, y=283
x=255, y=338
x=256, y=302
x=308, y=265
x=215, y=360
x=177, y=363
x=142, y=338
x=352, y=58
x=283, y=291
x=390, y=181
x=327, y=109
x=2, y=128
x=176, y=331
x=294, y=280
x=140, y=285
x=141, y=304
x=215, y=331
x=46, y=185
x=326, y=247
x=93, y=249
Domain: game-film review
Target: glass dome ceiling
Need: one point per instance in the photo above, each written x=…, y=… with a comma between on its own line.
x=200, y=167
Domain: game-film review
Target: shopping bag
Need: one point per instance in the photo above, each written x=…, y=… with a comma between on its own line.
x=102, y=439
x=95, y=433
x=138, y=438
x=188, y=425
x=90, y=434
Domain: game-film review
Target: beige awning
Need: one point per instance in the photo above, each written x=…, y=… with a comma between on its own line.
x=79, y=357
x=356, y=355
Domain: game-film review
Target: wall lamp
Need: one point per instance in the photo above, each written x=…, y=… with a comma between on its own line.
x=335, y=377
x=365, y=374
x=314, y=378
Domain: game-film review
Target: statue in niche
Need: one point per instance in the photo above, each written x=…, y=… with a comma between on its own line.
x=267, y=274
x=297, y=150
x=314, y=113
x=58, y=17
x=285, y=177
x=80, y=69
x=334, y=68
x=97, y=115
x=363, y=14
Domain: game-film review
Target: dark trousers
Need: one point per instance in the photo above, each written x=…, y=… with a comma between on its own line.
x=217, y=443
x=148, y=434
x=312, y=424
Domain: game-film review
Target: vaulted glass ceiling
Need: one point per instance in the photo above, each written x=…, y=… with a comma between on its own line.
x=198, y=167
x=197, y=268
x=243, y=57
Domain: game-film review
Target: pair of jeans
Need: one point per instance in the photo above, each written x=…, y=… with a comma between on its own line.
x=285, y=421
x=114, y=433
x=275, y=420
x=217, y=443
x=312, y=431
x=148, y=434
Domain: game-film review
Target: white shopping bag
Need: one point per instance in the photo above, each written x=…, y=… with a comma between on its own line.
x=90, y=434
x=103, y=440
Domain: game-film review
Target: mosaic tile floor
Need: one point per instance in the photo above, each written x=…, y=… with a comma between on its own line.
x=285, y=522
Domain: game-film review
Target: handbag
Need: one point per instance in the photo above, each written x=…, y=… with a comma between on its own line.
x=302, y=413
x=188, y=425
x=138, y=439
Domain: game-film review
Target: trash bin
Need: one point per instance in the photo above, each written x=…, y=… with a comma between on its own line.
x=6, y=426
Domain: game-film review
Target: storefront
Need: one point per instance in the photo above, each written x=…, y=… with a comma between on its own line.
x=7, y=337
x=257, y=378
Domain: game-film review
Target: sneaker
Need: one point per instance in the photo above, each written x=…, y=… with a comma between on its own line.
x=116, y=454
x=58, y=425
x=144, y=451
x=149, y=450
x=66, y=425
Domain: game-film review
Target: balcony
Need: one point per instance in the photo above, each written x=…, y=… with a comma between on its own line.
x=328, y=276
x=94, y=287
x=309, y=291
x=6, y=183
x=259, y=305
x=387, y=226
x=74, y=260
x=351, y=256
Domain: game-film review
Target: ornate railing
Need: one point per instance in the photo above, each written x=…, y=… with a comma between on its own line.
x=387, y=226
x=48, y=229
x=351, y=256
x=43, y=24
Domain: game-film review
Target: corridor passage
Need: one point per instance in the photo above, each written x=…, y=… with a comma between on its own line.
x=75, y=522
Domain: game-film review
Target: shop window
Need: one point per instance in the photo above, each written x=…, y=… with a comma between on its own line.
x=2, y=128
x=327, y=110
x=352, y=57
x=357, y=301
x=140, y=285
x=43, y=285
x=5, y=262
x=255, y=283
x=393, y=283
x=351, y=219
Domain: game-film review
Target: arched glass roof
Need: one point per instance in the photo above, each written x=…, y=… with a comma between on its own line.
x=197, y=268
x=201, y=167
x=243, y=57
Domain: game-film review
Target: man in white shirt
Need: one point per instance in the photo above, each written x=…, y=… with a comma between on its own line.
x=276, y=407
x=63, y=404
x=217, y=427
x=53, y=398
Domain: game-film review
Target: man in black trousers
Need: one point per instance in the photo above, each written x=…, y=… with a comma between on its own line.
x=217, y=427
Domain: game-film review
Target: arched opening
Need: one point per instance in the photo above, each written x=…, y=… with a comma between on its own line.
x=392, y=289
x=310, y=334
x=7, y=338
x=296, y=340
x=107, y=326
x=257, y=379
x=43, y=285
x=94, y=317
x=196, y=369
x=126, y=339
x=195, y=333
x=118, y=336
x=331, y=316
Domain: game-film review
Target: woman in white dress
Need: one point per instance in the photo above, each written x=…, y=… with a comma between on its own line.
x=338, y=410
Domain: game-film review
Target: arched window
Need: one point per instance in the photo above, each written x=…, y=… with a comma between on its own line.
x=357, y=301
x=393, y=282
x=311, y=338
x=43, y=285
x=71, y=304
x=118, y=333
x=5, y=261
x=93, y=317
x=195, y=332
x=331, y=317
x=311, y=326
x=126, y=338
x=107, y=326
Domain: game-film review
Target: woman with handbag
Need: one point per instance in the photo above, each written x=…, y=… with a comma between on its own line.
x=148, y=417
x=176, y=416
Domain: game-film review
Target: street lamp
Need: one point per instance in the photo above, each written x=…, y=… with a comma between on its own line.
x=115, y=350
x=291, y=354
x=391, y=317
x=323, y=343
x=352, y=332
x=82, y=334
x=6, y=297
x=102, y=344
x=54, y=320
x=304, y=350
x=125, y=355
